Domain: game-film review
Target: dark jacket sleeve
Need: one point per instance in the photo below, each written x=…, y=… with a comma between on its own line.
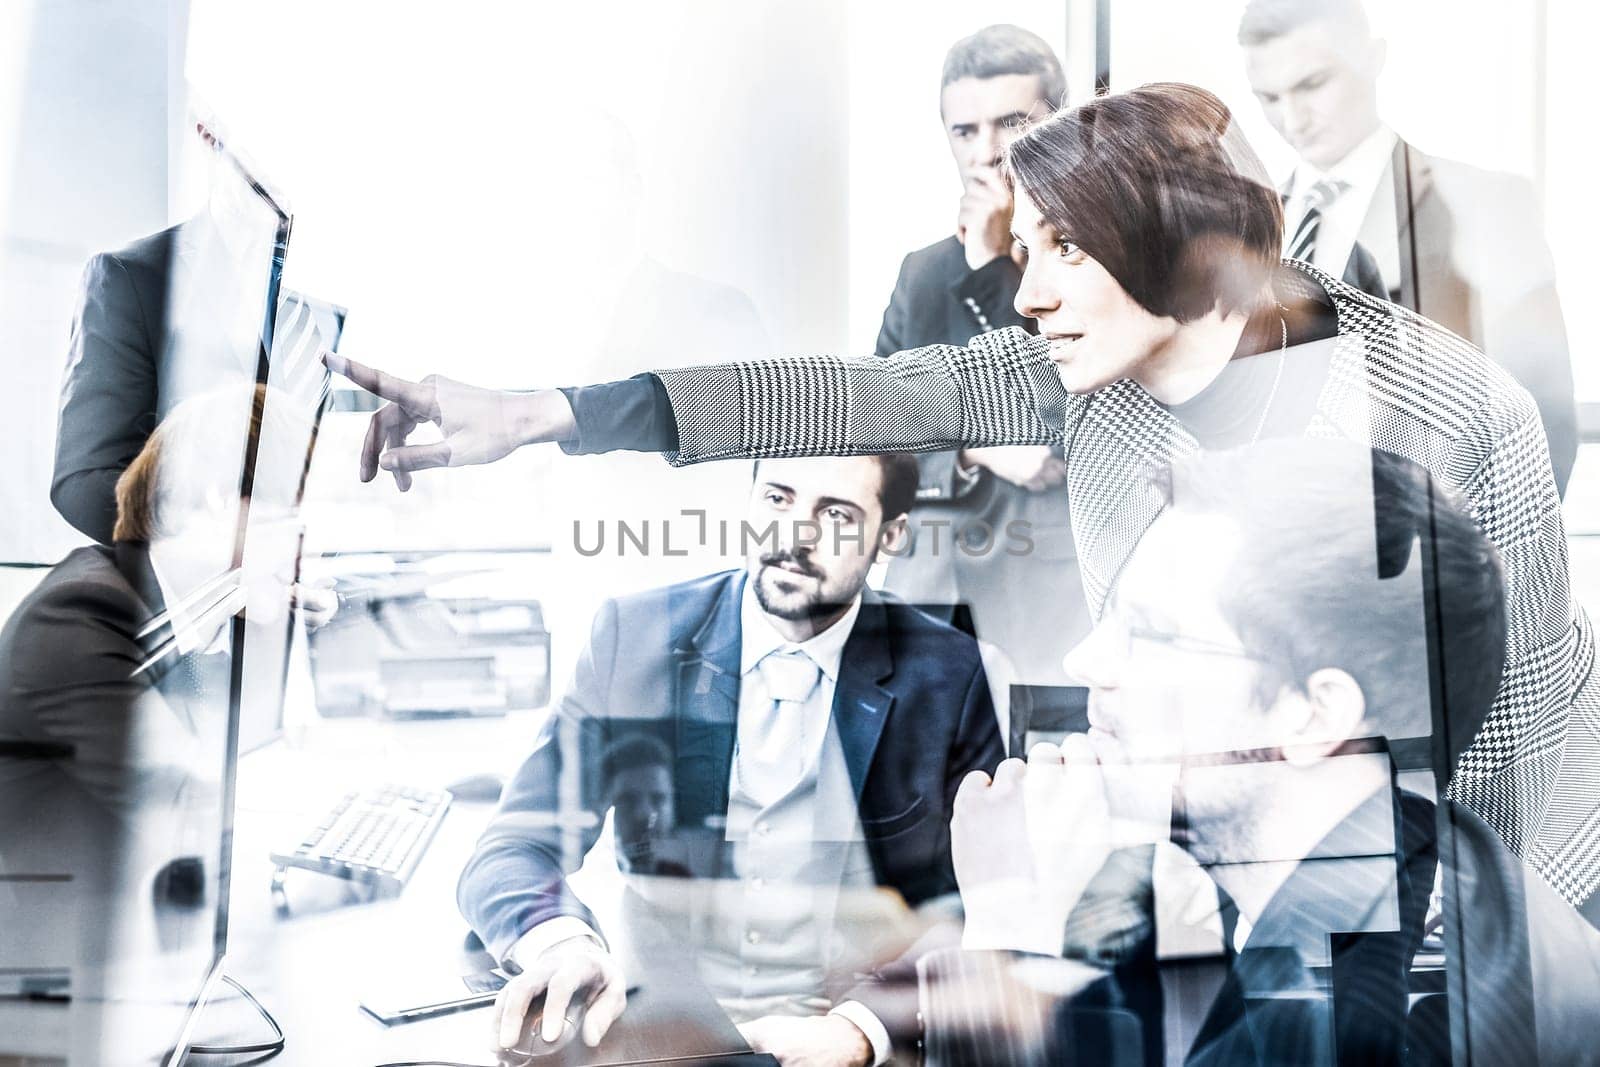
x=516, y=878
x=108, y=401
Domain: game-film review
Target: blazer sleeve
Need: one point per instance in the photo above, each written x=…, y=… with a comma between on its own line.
x=1509, y=490
x=108, y=401
x=1001, y=389
x=516, y=878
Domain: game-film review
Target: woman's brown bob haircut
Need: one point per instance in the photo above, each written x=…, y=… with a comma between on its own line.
x=1159, y=186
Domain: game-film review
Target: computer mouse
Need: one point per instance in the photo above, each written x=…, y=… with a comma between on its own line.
x=478, y=787
x=531, y=1047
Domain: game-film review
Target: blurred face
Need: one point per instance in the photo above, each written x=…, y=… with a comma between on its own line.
x=1098, y=333
x=828, y=526
x=1168, y=677
x=984, y=115
x=641, y=799
x=1318, y=87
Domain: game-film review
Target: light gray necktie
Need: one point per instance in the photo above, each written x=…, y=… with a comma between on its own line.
x=774, y=748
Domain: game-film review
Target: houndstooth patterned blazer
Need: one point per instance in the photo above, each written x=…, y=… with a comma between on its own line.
x=1396, y=381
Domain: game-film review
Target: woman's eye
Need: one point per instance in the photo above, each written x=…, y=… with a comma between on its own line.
x=1068, y=249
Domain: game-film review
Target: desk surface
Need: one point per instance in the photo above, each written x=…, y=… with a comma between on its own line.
x=311, y=967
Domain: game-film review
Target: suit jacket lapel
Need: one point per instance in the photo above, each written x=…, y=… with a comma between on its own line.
x=861, y=705
x=706, y=708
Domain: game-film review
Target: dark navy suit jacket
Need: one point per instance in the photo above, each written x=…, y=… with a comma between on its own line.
x=911, y=708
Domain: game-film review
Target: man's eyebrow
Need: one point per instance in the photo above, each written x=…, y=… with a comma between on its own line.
x=779, y=486
x=830, y=501
x=1320, y=72
x=1014, y=116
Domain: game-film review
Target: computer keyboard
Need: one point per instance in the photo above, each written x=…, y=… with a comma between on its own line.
x=374, y=836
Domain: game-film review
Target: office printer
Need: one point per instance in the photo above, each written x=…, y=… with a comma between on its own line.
x=402, y=653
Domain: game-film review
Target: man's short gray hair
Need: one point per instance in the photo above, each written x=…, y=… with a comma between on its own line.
x=1265, y=20
x=1003, y=49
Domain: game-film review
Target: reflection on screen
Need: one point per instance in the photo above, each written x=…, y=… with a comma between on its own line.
x=164, y=908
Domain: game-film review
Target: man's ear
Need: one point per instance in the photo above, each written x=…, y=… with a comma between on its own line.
x=892, y=534
x=1377, y=56
x=1333, y=709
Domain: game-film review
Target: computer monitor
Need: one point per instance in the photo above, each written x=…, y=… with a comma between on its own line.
x=297, y=395
x=163, y=949
x=116, y=836
x=1046, y=713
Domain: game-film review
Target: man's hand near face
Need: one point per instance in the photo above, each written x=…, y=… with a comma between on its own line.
x=818, y=1041
x=1026, y=844
x=983, y=222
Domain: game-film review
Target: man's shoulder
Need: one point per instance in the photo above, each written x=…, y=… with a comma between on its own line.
x=84, y=575
x=944, y=259
x=145, y=264
x=926, y=639
x=675, y=605
x=1423, y=369
x=1486, y=207
x=84, y=608
x=152, y=252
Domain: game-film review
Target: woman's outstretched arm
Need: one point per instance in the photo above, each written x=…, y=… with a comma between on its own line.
x=1001, y=389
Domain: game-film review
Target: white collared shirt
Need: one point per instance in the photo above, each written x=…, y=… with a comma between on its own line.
x=1365, y=211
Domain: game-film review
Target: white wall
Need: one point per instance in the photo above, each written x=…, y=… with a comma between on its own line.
x=84, y=128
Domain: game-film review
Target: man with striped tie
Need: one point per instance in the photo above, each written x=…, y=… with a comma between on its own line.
x=1463, y=246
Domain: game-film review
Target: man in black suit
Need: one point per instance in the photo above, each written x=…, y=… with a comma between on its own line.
x=1463, y=246
x=1028, y=604
x=1276, y=630
x=817, y=733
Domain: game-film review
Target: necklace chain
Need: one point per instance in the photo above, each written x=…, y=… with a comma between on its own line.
x=1277, y=378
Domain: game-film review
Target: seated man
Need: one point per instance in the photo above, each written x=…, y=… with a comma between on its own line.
x=1293, y=611
x=816, y=733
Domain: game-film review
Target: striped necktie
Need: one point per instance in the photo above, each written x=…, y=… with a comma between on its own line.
x=1302, y=244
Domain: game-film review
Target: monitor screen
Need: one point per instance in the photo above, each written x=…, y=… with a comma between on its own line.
x=116, y=853
x=296, y=396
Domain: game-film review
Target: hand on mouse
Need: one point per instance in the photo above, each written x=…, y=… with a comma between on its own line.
x=577, y=965
x=818, y=1041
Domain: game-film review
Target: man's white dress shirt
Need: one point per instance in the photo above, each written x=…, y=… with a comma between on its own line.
x=765, y=937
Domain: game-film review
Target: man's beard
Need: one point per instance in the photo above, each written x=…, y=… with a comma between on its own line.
x=811, y=609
